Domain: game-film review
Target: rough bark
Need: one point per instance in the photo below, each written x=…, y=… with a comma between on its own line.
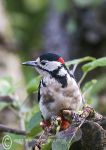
x=93, y=136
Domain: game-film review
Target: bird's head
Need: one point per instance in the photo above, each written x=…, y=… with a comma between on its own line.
x=47, y=63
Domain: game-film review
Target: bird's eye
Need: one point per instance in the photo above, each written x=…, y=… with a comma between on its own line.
x=43, y=63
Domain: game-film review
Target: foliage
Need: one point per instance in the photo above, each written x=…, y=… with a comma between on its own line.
x=83, y=3
x=26, y=18
x=33, y=125
x=6, y=89
x=6, y=86
x=78, y=61
x=33, y=118
x=33, y=85
x=101, y=62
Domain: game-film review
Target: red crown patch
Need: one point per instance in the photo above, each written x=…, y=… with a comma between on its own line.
x=61, y=60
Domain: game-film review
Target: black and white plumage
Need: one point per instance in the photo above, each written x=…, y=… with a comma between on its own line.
x=58, y=89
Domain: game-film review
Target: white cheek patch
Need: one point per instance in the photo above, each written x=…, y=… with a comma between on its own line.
x=62, y=72
x=52, y=65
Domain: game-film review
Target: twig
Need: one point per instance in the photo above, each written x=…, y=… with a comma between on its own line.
x=77, y=128
x=14, y=111
x=41, y=139
x=6, y=99
x=82, y=78
x=22, y=126
x=86, y=112
x=74, y=68
x=4, y=128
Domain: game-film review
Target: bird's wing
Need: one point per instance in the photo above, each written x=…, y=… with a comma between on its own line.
x=39, y=91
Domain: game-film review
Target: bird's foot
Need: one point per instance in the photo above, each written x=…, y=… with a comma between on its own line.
x=52, y=125
x=60, y=123
x=56, y=123
x=71, y=115
x=75, y=117
x=55, y=120
x=45, y=124
x=86, y=112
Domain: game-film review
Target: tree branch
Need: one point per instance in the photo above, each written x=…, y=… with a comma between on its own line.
x=82, y=78
x=6, y=99
x=4, y=128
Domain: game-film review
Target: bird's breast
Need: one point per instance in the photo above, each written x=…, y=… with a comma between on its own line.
x=54, y=98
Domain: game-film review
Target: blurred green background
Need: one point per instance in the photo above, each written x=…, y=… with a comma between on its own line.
x=72, y=28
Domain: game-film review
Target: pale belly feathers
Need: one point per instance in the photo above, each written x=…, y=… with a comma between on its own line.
x=55, y=98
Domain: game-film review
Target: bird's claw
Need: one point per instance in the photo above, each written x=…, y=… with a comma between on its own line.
x=45, y=124
x=75, y=117
x=55, y=121
x=53, y=125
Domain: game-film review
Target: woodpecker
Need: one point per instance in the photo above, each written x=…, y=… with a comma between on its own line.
x=58, y=89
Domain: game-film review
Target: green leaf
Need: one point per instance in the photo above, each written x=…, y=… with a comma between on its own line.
x=78, y=61
x=89, y=85
x=32, y=111
x=99, y=86
x=33, y=127
x=61, y=144
x=33, y=85
x=101, y=62
x=34, y=5
x=17, y=141
x=60, y=5
x=3, y=105
x=87, y=90
x=47, y=145
x=6, y=87
x=84, y=3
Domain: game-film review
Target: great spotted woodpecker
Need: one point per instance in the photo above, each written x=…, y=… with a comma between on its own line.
x=58, y=89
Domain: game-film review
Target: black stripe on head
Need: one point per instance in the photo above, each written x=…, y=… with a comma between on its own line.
x=49, y=57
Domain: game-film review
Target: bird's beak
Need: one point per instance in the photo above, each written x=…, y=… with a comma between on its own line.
x=30, y=63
